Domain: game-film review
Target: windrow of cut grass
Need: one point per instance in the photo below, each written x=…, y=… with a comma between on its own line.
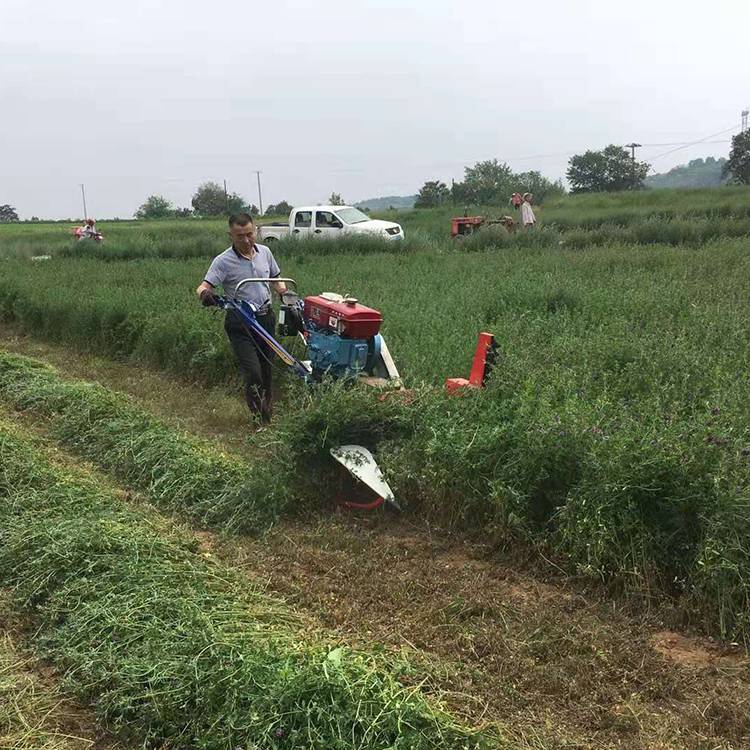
x=177, y=472
x=649, y=504
x=171, y=649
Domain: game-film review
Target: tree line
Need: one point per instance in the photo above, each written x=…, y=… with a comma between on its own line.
x=487, y=182
x=210, y=199
x=611, y=169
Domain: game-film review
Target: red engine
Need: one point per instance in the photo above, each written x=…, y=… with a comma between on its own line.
x=344, y=316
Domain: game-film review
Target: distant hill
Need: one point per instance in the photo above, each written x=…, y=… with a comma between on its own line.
x=697, y=173
x=382, y=204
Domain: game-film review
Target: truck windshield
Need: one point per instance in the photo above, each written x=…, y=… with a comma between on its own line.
x=352, y=216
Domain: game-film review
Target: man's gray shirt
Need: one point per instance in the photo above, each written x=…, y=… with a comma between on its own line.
x=229, y=268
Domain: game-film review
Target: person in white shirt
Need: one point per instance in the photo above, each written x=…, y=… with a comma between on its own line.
x=527, y=212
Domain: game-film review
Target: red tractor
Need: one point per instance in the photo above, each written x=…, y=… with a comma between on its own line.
x=464, y=226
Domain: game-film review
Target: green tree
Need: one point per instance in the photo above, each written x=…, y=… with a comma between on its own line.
x=210, y=200
x=486, y=182
x=336, y=200
x=7, y=214
x=605, y=171
x=155, y=207
x=540, y=186
x=433, y=193
x=183, y=213
x=738, y=166
x=282, y=208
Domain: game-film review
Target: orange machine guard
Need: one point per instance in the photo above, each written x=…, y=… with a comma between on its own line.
x=483, y=360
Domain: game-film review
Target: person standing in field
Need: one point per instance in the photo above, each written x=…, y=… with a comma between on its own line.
x=527, y=212
x=246, y=259
x=516, y=200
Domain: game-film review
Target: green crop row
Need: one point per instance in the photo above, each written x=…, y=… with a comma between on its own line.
x=691, y=231
x=675, y=309
x=171, y=239
x=669, y=217
x=175, y=471
x=594, y=210
x=650, y=498
x=171, y=649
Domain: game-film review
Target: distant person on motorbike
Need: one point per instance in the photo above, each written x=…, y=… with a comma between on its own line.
x=89, y=231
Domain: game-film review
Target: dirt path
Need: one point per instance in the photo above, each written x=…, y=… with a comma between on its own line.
x=504, y=645
x=500, y=643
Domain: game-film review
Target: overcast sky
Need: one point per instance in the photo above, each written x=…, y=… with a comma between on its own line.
x=362, y=97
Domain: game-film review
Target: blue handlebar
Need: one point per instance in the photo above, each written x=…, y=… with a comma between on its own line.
x=247, y=312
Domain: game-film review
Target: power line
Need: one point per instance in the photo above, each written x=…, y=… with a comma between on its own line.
x=693, y=143
x=683, y=143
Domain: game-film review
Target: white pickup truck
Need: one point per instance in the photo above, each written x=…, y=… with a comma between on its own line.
x=328, y=221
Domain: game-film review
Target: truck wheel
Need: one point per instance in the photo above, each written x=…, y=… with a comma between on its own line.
x=271, y=239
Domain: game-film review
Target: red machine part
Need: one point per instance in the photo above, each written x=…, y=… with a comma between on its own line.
x=362, y=506
x=347, y=318
x=483, y=355
x=462, y=225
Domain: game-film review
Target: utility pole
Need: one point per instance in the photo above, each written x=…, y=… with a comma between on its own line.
x=260, y=195
x=226, y=197
x=83, y=195
x=745, y=113
x=632, y=147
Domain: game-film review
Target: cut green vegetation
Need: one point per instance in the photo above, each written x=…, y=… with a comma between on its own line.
x=33, y=712
x=171, y=649
x=175, y=471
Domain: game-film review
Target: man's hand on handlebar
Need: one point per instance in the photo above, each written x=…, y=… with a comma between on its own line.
x=208, y=298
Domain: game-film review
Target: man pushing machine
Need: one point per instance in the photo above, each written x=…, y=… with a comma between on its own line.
x=246, y=259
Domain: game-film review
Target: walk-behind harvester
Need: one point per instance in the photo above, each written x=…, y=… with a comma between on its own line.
x=343, y=341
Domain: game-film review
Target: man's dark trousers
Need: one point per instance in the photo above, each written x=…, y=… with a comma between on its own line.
x=254, y=358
